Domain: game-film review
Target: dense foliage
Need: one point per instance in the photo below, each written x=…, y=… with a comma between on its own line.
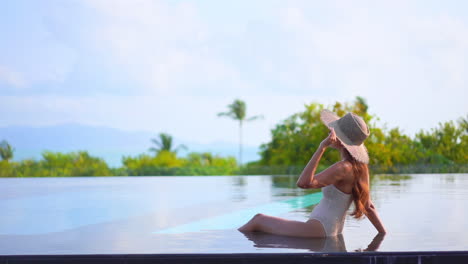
x=293, y=141
x=82, y=164
x=167, y=163
x=296, y=138
x=56, y=164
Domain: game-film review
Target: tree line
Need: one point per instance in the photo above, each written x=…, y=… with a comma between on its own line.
x=293, y=141
x=443, y=148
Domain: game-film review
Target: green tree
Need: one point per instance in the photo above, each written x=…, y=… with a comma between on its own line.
x=296, y=138
x=206, y=159
x=146, y=165
x=237, y=111
x=167, y=163
x=73, y=164
x=6, y=151
x=7, y=169
x=164, y=143
x=445, y=144
x=200, y=159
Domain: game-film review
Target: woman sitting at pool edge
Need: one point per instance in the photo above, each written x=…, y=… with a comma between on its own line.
x=341, y=183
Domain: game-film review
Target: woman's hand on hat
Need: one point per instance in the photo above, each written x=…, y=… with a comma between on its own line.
x=331, y=138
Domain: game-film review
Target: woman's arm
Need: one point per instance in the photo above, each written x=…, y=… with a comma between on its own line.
x=334, y=173
x=372, y=212
x=374, y=218
x=307, y=175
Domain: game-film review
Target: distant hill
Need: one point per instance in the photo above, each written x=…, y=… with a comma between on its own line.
x=108, y=143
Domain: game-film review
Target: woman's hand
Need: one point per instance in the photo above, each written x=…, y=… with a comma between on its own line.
x=331, y=139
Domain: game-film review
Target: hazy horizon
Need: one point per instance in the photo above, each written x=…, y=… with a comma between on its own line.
x=107, y=143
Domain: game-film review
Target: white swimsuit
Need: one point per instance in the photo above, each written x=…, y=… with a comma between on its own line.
x=331, y=210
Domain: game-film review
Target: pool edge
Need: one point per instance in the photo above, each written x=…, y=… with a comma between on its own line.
x=313, y=257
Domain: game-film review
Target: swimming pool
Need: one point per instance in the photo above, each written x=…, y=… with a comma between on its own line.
x=193, y=214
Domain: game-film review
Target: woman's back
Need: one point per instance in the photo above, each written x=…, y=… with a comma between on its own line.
x=346, y=183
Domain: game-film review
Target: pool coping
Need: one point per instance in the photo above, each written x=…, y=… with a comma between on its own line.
x=419, y=257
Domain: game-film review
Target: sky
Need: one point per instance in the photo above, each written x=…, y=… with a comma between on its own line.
x=171, y=66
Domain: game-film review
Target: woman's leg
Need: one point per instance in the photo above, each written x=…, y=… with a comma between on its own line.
x=280, y=226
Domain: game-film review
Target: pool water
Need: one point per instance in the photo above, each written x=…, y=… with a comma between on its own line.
x=201, y=214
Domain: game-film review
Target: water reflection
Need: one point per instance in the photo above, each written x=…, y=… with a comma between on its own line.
x=119, y=214
x=394, y=179
x=239, y=181
x=374, y=244
x=285, y=186
x=389, y=184
x=238, y=188
x=287, y=181
x=328, y=244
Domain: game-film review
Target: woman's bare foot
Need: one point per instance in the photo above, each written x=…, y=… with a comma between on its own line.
x=245, y=228
x=250, y=226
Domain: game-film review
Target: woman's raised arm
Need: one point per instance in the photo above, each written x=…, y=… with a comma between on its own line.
x=334, y=173
x=307, y=175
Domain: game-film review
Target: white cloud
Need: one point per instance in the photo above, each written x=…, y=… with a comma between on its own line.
x=11, y=77
x=164, y=47
x=410, y=63
x=31, y=53
x=411, y=66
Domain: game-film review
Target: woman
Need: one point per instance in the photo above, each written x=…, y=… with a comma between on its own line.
x=341, y=183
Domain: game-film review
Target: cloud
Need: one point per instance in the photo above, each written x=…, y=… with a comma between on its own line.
x=11, y=77
x=405, y=60
x=182, y=62
x=164, y=47
x=31, y=53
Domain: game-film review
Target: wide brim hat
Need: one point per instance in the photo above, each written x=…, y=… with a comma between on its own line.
x=351, y=130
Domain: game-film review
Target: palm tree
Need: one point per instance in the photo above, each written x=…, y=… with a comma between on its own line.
x=237, y=111
x=164, y=143
x=6, y=151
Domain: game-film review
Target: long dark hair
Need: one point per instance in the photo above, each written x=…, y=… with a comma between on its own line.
x=361, y=185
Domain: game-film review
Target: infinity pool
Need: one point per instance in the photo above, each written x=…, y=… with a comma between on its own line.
x=193, y=214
